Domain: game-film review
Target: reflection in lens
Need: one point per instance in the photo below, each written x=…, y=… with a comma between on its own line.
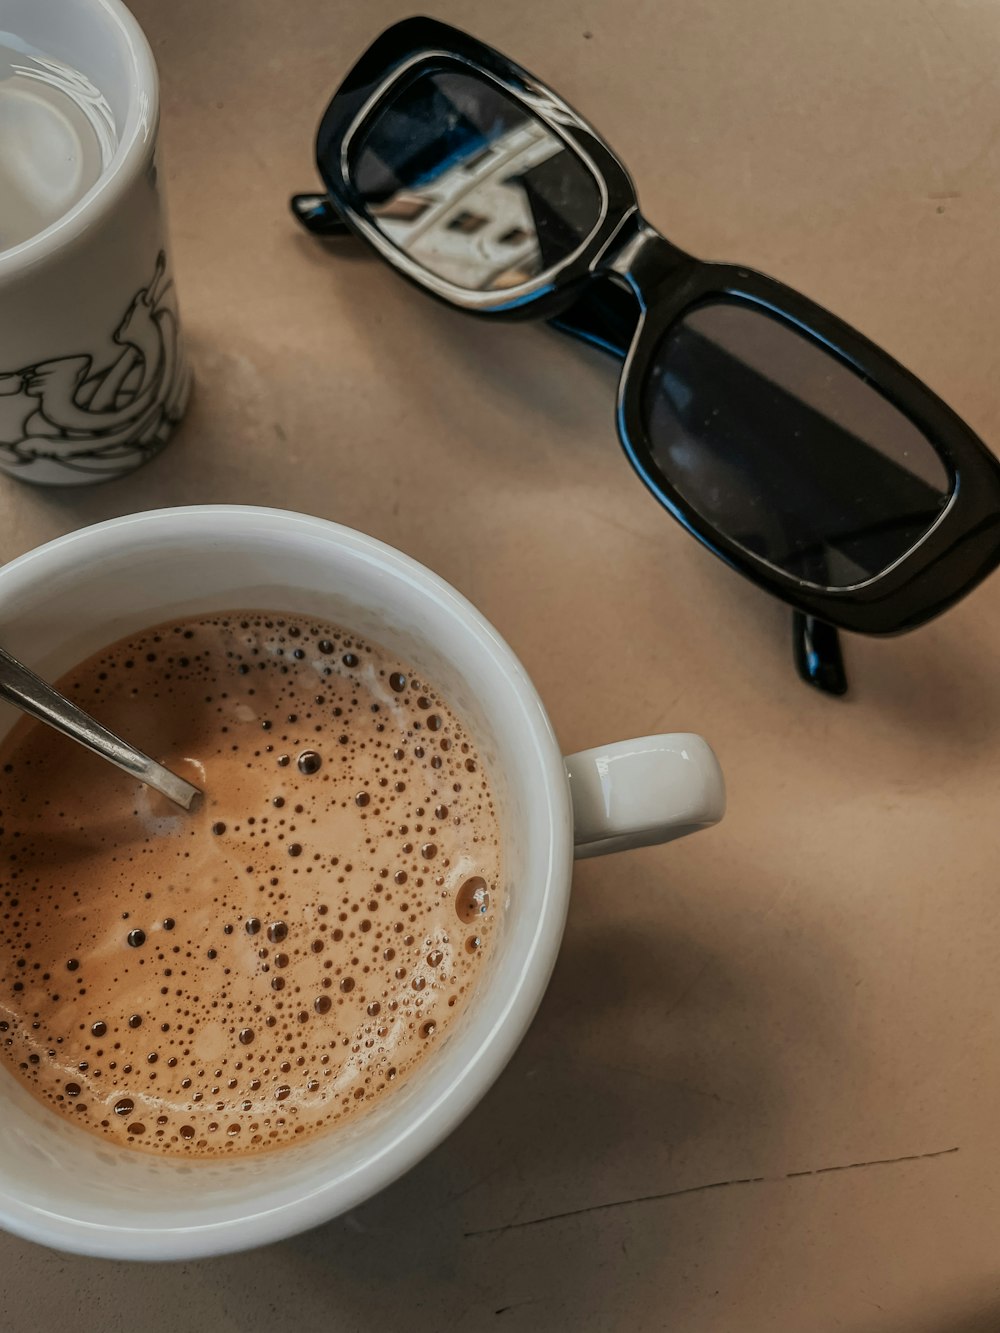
x=785, y=449
x=470, y=185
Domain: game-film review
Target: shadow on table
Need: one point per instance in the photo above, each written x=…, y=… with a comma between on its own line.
x=647, y=1073
x=940, y=678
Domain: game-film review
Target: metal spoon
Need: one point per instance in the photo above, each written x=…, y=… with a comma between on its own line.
x=34, y=696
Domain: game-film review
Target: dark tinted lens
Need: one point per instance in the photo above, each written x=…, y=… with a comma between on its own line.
x=470, y=185
x=787, y=450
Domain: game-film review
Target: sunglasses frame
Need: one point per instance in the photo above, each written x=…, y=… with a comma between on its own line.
x=963, y=544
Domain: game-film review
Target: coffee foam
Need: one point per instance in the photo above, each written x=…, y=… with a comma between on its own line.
x=241, y=977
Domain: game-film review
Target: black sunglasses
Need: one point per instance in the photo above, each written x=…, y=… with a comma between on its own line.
x=787, y=443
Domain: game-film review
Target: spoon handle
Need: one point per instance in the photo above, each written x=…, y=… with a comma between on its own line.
x=34, y=696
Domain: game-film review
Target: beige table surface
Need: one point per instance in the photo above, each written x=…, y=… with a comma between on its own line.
x=807, y=996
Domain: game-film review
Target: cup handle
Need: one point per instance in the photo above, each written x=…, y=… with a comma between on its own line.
x=645, y=791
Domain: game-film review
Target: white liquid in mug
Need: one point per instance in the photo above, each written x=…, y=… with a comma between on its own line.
x=57, y=136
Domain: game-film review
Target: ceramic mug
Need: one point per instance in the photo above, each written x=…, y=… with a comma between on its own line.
x=92, y=369
x=68, y=1188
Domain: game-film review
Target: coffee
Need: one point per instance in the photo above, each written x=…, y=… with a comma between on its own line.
x=239, y=978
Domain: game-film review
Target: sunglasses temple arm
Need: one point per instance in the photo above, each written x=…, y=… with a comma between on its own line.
x=317, y=214
x=818, y=658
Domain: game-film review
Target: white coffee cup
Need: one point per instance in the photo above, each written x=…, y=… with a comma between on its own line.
x=68, y=1188
x=92, y=369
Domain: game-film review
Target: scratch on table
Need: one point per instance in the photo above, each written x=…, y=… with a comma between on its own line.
x=480, y=1180
x=877, y=1161
x=709, y=1185
x=517, y=1305
x=685, y=991
x=627, y=529
x=616, y=1203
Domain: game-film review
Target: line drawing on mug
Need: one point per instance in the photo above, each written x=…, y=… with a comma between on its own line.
x=108, y=419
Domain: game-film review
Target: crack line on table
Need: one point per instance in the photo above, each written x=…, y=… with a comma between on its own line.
x=710, y=1185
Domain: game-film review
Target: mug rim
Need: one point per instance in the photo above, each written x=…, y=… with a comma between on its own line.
x=446, y=1103
x=135, y=146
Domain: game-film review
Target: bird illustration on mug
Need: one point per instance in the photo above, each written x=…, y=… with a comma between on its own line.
x=107, y=419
